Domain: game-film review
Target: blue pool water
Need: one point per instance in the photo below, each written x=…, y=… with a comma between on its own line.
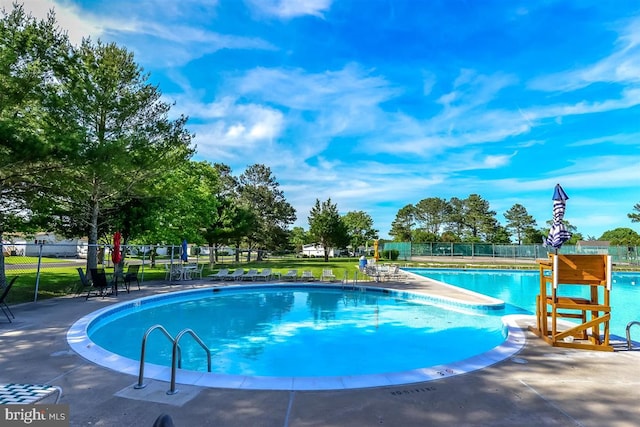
x=519, y=288
x=301, y=331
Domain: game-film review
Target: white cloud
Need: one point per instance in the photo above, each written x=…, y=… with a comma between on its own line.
x=618, y=139
x=240, y=126
x=182, y=40
x=291, y=8
x=69, y=17
x=621, y=66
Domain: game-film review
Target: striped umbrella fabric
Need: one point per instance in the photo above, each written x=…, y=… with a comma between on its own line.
x=184, y=256
x=558, y=234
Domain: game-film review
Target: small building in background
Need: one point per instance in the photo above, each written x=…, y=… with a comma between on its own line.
x=316, y=250
x=52, y=246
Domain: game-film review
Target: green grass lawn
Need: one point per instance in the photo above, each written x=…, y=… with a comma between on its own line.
x=60, y=281
x=18, y=260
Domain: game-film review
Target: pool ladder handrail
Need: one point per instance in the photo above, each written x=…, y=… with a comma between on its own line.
x=629, y=325
x=195, y=336
x=354, y=285
x=175, y=351
x=143, y=352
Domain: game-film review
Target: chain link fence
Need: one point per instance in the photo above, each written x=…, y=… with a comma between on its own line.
x=50, y=269
x=621, y=255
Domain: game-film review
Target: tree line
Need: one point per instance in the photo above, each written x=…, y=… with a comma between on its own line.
x=470, y=220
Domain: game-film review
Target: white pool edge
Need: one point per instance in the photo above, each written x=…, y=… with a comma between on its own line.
x=80, y=342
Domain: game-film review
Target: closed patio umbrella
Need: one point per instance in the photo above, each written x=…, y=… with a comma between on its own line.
x=184, y=256
x=116, y=255
x=558, y=234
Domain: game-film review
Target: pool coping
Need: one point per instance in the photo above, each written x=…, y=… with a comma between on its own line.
x=79, y=341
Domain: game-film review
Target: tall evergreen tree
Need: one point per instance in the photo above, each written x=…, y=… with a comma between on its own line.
x=259, y=191
x=403, y=225
x=432, y=213
x=518, y=221
x=635, y=216
x=128, y=140
x=36, y=137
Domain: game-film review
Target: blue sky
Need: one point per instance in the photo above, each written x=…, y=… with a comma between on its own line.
x=379, y=104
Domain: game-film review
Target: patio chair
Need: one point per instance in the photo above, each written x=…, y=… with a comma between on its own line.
x=265, y=274
x=27, y=394
x=85, y=283
x=290, y=275
x=308, y=276
x=174, y=272
x=197, y=272
x=372, y=271
x=130, y=275
x=328, y=275
x=3, y=299
x=220, y=275
x=100, y=282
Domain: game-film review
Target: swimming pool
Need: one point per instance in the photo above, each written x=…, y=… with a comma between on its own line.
x=519, y=288
x=300, y=337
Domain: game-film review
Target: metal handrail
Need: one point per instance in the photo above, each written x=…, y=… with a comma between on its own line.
x=173, y=390
x=629, y=332
x=144, y=350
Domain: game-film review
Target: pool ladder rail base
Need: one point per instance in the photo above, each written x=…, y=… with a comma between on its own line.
x=175, y=354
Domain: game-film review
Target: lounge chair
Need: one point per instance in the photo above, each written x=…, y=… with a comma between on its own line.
x=220, y=275
x=3, y=299
x=265, y=274
x=249, y=275
x=236, y=275
x=27, y=394
x=308, y=276
x=290, y=275
x=327, y=275
x=130, y=275
x=394, y=272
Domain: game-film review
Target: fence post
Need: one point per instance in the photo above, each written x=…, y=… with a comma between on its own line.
x=144, y=256
x=35, y=295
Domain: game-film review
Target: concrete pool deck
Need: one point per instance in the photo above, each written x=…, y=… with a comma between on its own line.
x=540, y=386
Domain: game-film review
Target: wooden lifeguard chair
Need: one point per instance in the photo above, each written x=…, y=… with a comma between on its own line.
x=593, y=312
